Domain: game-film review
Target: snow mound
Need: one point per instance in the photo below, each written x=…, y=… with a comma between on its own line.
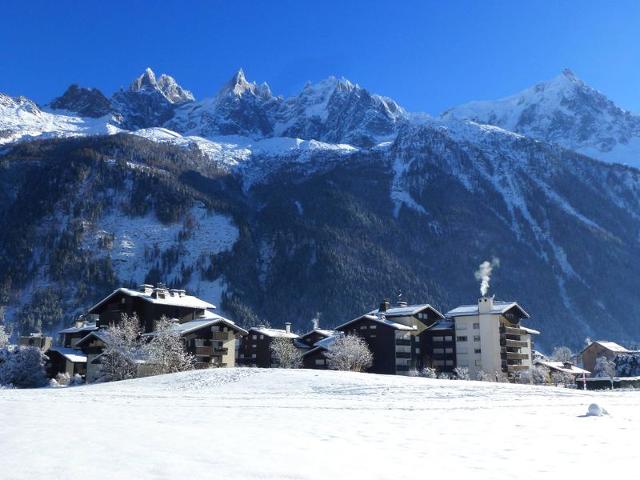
x=596, y=410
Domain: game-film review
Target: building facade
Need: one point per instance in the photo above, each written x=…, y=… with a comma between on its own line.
x=490, y=338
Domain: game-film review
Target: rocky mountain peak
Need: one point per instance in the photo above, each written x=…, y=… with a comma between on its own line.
x=146, y=81
x=238, y=86
x=88, y=102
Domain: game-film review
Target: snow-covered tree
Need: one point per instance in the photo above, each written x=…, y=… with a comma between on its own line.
x=563, y=378
x=349, y=352
x=429, y=372
x=22, y=367
x=4, y=337
x=535, y=375
x=562, y=354
x=605, y=368
x=462, y=373
x=124, y=349
x=627, y=364
x=444, y=376
x=165, y=352
x=484, y=376
x=285, y=353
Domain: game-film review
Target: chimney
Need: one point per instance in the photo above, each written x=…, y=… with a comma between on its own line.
x=384, y=305
x=485, y=304
x=287, y=327
x=146, y=289
x=79, y=323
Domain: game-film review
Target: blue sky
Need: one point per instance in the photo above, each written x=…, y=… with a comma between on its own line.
x=428, y=55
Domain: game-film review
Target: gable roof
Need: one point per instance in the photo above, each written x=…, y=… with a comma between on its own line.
x=323, y=332
x=71, y=354
x=195, y=325
x=185, y=301
x=381, y=319
x=84, y=328
x=101, y=334
x=498, y=308
x=407, y=310
x=274, y=332
x=325, y=343
x=611, y=346
x=562, y=367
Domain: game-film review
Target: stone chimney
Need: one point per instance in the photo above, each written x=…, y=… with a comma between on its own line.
x=287, y=327
x=384, y=305
x=146, y=289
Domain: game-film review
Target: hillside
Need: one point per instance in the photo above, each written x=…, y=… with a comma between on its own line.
x=303, y=424
x=325, y=202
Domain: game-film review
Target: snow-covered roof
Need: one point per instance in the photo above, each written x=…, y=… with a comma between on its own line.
x=325, y=343
x=194, y=325
x=273, y=332
x=443, y=325
x=99, y=334
x=562, y=367
x=84, y=328
x=530, y=331
x=378, y=319
x=75, y=356
x=406, y=310
x=186, y=301
x=611, y=346
x=498, y=308
x=320, y=331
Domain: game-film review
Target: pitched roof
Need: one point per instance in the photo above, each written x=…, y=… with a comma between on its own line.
x=498, y=308
x=562, y=367
x=274, y=332
x=71, y=354
x=611, y=346
x=323, y=332
x=101, y=334
x=208, y=321
x=325, y=343
x=443, y=325
x=84, y=328
x=381, y=319
x=186, y=301
x=407, y=310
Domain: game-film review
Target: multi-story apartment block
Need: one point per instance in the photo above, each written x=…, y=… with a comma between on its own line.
x=489, y=337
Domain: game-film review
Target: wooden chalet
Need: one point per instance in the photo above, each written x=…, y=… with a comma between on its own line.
x=211, y=340
x=255, y=347
x=150, y=304
x=69, y=337
x=65, y=360
x=393, y=335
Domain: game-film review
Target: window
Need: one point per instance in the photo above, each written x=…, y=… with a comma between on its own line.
x=448, y=350
x=461, y=339
x=438, y=363
x=372, y=327
x=373, y=335
x=477, y=350
x=438, y=339
x=255, y=337
x=254, y=346
x=476, y=326
x=449, y=363
x=320, y=361
x=417, y=349
x=438, y=350
x=253, y=355
x=448, y=338
x=476, y=338
x=362, y=327
x=261, y=337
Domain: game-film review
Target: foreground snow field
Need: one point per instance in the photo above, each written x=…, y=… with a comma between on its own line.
x=290, y=424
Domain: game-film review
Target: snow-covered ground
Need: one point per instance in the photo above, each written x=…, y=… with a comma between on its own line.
x=288, y=424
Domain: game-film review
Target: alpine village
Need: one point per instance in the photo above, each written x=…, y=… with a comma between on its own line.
x=489, y=340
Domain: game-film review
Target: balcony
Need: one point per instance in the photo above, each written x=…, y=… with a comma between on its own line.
x=204, y=351
x=516, y=356
x=506, y=342
x=403, y=342
x=220, y=351
x=512, y=331
x=403, y=354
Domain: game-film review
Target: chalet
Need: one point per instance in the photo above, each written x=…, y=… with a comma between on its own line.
x=313, y=336
x=394, y=335
x=150, y=304
x=600, y=348
x=316, y=357
x=211, y=340
x=93, y=346
x=66, y=360
x=255, y=347
x=490, y=337
x=69, y=337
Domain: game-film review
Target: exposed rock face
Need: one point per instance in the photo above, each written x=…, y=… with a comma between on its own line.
x=88, y=102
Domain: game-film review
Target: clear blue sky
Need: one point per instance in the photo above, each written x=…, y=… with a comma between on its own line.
x=428, y=55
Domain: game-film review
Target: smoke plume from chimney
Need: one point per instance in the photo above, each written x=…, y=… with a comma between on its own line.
x=484, y=274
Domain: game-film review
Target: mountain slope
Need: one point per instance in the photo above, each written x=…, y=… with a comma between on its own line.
x=567, y=111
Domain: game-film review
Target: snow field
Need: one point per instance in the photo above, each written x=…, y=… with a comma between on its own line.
x=304, y=424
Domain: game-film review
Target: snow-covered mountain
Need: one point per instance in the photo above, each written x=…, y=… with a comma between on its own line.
x=566, y=111
x=323, y=202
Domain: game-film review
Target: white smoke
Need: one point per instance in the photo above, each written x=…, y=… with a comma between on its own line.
x=484, y=273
